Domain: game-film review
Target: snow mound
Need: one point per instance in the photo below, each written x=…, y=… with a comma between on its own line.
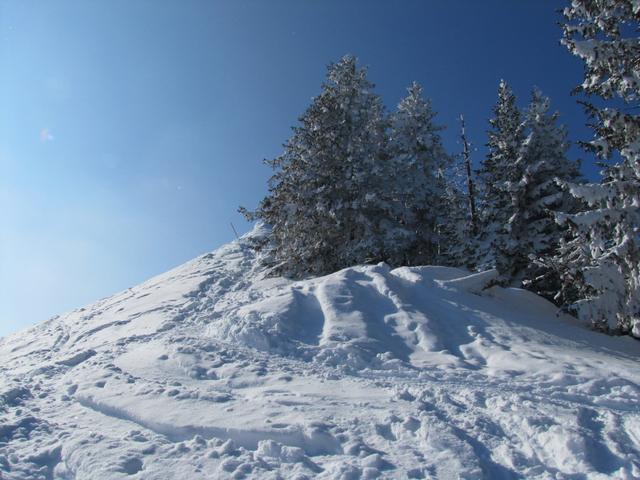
x=216, y=370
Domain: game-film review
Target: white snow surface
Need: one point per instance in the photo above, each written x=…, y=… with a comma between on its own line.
x=215, y=370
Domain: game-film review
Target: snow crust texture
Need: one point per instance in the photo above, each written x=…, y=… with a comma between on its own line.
x=214, y=370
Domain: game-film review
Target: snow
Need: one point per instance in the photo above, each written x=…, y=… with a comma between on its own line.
x=214, y=370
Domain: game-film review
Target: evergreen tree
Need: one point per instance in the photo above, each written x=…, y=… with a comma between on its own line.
x=326, y=204
x=419, y=158
x=532, y=232
x=600, y=262
x=497, y=172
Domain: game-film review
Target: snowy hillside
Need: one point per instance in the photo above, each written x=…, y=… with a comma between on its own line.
x=214, y=371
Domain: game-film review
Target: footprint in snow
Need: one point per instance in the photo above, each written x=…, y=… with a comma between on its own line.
x=131, y=465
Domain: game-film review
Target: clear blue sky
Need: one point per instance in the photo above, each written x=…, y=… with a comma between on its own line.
x=130, y=131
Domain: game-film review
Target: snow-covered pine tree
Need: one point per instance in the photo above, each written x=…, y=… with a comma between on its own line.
x=531, y=231
x=497, y=172
x=601, y=262
x=327, y=203
x=419, y=158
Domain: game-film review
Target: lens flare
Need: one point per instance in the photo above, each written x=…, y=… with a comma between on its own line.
x=45, y=135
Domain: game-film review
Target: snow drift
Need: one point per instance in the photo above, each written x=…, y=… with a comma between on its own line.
x=214, y=370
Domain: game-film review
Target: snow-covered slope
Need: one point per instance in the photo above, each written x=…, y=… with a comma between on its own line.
x=213, y=370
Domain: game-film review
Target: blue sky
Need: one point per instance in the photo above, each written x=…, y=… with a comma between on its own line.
x=131, y=131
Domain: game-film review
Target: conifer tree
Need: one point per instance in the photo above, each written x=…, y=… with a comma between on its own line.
x=601, y=261
x=326, y=203
x=531, y=231
x=419, y=158
x=498, y=171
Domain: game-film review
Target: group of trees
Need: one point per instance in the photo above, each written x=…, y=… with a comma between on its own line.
x=354, y=184
x=358, y=185
x=522, y=178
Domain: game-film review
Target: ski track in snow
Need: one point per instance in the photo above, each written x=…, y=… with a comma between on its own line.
x=214, y=370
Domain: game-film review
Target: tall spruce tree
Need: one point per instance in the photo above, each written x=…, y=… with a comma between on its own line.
x=531, y=231
x=327, y=205
x=601, y=261
x=419, y=158
x=499, y=170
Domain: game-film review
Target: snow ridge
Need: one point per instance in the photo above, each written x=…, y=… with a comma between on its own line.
x=215, y=370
